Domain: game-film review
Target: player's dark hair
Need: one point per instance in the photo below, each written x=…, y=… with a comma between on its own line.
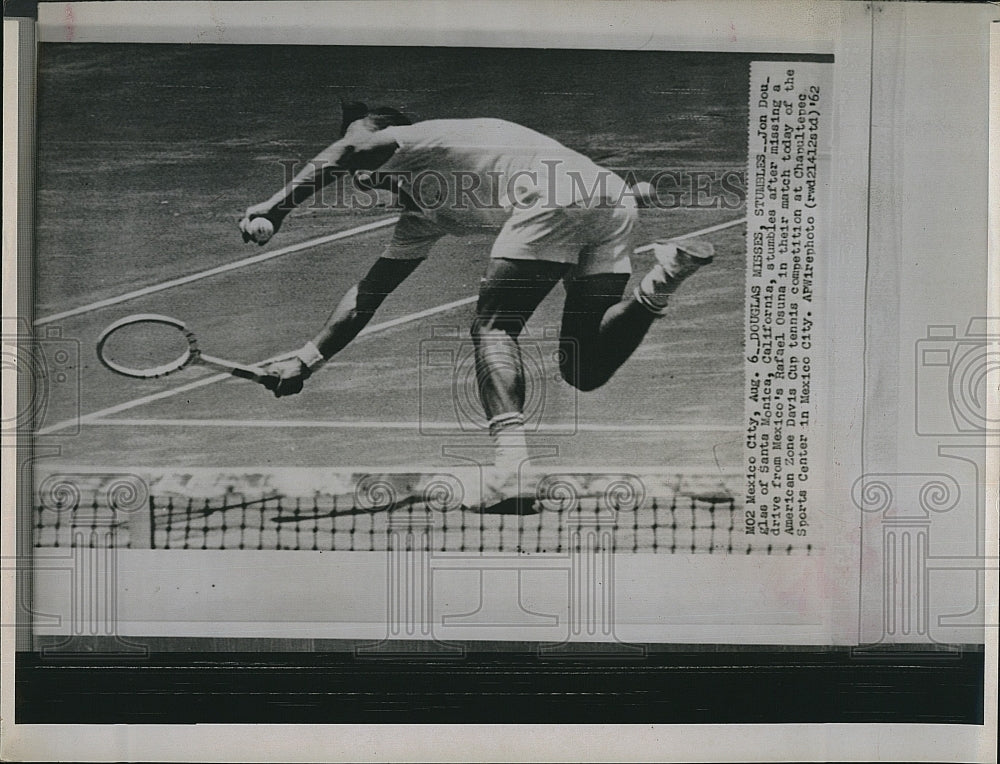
x=386, y=116
x=382, y=116
x=352, y=111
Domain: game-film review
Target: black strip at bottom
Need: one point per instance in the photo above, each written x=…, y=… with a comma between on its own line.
x=710, y=687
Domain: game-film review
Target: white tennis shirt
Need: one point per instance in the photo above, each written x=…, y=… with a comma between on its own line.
x=470, y=173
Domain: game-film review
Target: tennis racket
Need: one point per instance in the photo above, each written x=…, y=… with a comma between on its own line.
x=141, y=345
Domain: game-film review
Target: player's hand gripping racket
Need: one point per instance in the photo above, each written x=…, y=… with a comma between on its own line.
x=143, y=345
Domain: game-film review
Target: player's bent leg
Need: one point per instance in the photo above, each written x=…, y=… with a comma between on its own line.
x=600, y=329
x=508, y=295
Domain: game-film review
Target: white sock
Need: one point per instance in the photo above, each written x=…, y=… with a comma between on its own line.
x=654, y=292
x=510, y=444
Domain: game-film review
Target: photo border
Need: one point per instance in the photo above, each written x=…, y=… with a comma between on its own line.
x=721, y=743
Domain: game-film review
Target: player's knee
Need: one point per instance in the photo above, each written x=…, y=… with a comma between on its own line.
x=585, y=381
x=584, y=377
x=493, y=325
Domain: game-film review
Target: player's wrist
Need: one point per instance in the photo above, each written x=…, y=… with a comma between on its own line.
x=310, y=357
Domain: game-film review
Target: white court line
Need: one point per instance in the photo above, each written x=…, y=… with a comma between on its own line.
x=378, y=224
x=92, y=417
x=416, y=316
x=703, y=231
x=384, y=425
x=217, y=270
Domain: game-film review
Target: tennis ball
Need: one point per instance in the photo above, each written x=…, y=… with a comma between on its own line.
x=260, y=230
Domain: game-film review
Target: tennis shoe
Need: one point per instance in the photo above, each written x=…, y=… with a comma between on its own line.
x=675, y=261
x=502, y=484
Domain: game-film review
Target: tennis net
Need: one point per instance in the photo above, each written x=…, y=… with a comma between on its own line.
x=363, y=511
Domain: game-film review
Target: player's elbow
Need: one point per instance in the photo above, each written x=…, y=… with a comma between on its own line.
x=327, y=171
x=364, y=300
x=332, y=161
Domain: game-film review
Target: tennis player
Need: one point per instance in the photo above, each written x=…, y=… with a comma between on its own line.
x=555, y=215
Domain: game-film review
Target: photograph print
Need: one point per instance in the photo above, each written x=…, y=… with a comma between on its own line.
x=328, y=299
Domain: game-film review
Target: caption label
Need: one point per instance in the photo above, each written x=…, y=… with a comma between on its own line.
x=786, y=200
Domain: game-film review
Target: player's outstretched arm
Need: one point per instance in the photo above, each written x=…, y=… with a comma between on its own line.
x=360, y=149
x=354, y=311
x=357, y=307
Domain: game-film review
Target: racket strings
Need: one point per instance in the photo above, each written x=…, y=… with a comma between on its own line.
x=148, y=348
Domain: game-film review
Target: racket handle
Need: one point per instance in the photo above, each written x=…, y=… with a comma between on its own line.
x=253, y=373
x=269, y=381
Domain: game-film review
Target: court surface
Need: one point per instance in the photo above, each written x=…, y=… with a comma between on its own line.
x=147, y=158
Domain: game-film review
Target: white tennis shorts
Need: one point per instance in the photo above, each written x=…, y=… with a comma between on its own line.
x=596, y=238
